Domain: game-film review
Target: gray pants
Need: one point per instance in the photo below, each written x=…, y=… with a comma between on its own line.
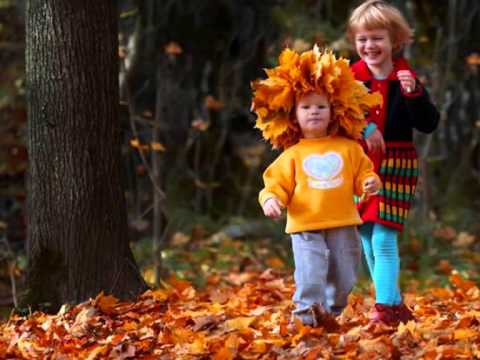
x=324, y=257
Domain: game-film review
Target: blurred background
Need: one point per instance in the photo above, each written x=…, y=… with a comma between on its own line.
x=193, y=160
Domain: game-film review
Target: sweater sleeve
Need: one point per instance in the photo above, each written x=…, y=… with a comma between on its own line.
x=423, y=114
x=279, y=179
x=363, y=169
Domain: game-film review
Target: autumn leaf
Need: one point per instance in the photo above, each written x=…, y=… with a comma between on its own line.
x=122, y=52
x=206, y=322
x=105, y=303
x=465, y=334
x=213, y=104
x=224, y=354
x=464, y=239
x=135, y=143
x=473, y=59
x=159, y=294
x=173, y=48
x=444, y=266
x=156, y=146
x=239, y=323
x=461, y=282
x=147, y=114
x=81, y=325
x=200, y=124
x=275, y=262
x=198, y=346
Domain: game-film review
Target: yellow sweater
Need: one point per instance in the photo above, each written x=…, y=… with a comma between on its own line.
x=316, y=180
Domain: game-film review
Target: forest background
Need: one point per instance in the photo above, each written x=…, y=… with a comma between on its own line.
x=193, y=161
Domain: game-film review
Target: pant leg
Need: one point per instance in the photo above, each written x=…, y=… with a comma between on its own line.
x=311, y=258
x=345, y=256
x=366, y=231
x=387, y=265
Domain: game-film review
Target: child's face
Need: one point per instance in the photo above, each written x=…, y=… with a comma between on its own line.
x=374, y=47
x=313, y=115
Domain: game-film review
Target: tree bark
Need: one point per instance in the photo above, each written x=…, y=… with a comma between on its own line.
x=77, y=241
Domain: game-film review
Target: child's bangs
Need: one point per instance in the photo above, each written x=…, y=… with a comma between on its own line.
x=370, y=20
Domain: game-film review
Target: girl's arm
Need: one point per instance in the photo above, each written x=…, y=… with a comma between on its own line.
x=375, y=141
x=423, y=114
x=279, y=179
x=364, y=175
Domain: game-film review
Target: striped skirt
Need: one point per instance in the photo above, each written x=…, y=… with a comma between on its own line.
x=399, y=174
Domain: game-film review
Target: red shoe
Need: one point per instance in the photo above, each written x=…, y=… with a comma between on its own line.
x=404, y=314
x=385, y=314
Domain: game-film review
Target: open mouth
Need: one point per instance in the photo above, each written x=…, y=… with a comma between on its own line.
x=372, y=55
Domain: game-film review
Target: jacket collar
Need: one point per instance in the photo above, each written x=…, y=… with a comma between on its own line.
x=363, y=73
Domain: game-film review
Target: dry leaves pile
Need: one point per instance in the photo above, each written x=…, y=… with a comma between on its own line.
x=245, y=318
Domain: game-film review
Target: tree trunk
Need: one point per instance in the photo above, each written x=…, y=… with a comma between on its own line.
x=77, y=241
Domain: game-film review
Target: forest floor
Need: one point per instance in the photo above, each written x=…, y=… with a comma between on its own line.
x=240, y=309
x=245, y=316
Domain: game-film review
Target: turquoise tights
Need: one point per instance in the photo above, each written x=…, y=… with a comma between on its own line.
x=381, y=252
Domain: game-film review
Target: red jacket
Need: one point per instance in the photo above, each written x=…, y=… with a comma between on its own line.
x=398, y=167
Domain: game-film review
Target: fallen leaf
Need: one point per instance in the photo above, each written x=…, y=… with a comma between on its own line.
x=239, y=323
x=173, y=48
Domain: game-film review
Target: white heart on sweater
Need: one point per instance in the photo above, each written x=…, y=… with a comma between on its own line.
x=323, y=167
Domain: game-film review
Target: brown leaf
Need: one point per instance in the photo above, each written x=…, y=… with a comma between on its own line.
x=473, y=59
x=207, y=322
x=461, y=282
x=173, y=48
x=200, y=124
x=106, y=303
x=213, y=104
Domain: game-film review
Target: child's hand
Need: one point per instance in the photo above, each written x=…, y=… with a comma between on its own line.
x=371, y=185
x=375, y=142
x=272, y=208
x=407, y=81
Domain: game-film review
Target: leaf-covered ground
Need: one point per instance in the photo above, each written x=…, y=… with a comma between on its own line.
x=244, y=316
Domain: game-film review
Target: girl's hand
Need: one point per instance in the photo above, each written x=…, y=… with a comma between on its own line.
x=272, y=208
x=371, y=185
x=407, y=81
x=375, y=142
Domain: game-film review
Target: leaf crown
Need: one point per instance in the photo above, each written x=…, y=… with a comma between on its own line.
x=296, y=75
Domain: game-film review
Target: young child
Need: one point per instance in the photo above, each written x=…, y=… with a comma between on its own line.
x=379, y=32
x=312, y=107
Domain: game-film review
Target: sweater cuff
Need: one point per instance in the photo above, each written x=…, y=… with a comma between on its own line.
x=264, y=196
x=369, y=129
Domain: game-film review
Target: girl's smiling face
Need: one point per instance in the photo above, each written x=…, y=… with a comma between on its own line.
x=374, y=47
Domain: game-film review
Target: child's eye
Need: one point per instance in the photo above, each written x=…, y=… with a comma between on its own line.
x=361, y=39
